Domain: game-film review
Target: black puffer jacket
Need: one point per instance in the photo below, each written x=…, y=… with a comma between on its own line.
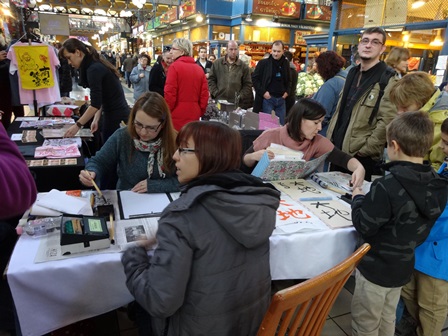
x=395, y=217
x=210, y=273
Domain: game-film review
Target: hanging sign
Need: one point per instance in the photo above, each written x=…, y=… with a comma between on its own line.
x=187, y=8
x=277, y=7
x=33, y=63
x=317, y=12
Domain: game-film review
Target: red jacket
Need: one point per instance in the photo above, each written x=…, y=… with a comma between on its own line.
x=186, y=91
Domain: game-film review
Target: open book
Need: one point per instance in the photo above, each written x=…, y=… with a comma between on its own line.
x=129, y=232
x=286, y=165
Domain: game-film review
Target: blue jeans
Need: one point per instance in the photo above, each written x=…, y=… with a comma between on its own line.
x=276, y=104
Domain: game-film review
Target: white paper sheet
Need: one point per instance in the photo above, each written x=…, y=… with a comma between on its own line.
x=142, y=205
x=441, y=62
x=26, y=119
x=60, y=201
x=16, y=137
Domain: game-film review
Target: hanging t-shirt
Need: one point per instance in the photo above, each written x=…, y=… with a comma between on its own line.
x=44, y=96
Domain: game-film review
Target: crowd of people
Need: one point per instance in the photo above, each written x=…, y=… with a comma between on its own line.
x=210, y=271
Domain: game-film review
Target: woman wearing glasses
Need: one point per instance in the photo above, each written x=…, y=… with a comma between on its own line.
x=210, y=273
x=186, y=88
x=141, y=153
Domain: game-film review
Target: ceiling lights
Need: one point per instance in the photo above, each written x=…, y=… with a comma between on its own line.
x=437, y=41
x=249, y=18
x=86, y=11
x=99, y=11
x=45, y=7
x=418, y=3
x=199, y=17
x=125, y=13
x=139, y=3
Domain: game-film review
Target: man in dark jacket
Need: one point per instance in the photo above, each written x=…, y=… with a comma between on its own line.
x=203, y=62
x=128, y=65
x=358, y=126
x=272, y=82
x=230, y=77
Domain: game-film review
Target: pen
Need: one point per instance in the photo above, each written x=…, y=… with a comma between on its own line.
x=322, y=198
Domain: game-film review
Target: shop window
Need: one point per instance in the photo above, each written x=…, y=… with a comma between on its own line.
x=370, y=13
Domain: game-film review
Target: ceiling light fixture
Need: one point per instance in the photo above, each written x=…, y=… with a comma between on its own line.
x=199, y=17
x=249, y=18
x=437, y=41
x=418, y=3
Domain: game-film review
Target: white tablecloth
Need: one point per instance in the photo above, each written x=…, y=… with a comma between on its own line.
x=54, y=294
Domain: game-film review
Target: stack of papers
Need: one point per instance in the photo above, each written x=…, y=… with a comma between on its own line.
x=56, y=202
x=57, y=152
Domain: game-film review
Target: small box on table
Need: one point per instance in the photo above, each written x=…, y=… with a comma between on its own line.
x=83, y=233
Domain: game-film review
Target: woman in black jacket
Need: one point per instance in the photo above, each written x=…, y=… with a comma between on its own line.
x=106, y=93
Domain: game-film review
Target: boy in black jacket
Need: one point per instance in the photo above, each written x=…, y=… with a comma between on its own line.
x=394, y=217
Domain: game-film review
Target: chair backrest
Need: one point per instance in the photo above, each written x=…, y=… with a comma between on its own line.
x=302, y=310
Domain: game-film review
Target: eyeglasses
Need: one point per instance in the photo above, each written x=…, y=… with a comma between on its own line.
x=186, y=150
x=375, y=42
x=139, y=126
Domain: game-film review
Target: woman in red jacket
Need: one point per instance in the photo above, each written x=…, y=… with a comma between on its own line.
x=186, y=88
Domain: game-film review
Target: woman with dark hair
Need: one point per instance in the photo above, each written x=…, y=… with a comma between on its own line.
x=301, y=134
x=210, y=272
x=330, y=68
x=106, y=93
x=140, y=153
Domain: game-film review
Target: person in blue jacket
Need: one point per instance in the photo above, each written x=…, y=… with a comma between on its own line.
x=426, y=295
x=330, y=68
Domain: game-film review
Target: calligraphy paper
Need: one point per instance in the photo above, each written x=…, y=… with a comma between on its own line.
x=335, y=214
x=300, y=189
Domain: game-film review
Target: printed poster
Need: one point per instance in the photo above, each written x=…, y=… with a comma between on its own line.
x=34, y=67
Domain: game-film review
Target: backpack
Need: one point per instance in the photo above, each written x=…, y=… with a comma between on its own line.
x=384, y=80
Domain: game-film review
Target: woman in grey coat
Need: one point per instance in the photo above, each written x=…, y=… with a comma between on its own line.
x=210, y=273
x=140, y=76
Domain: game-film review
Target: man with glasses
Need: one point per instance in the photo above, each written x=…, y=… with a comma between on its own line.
x=230, y=76
x=358, y=126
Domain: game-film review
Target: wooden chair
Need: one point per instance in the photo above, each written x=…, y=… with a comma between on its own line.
x=302, y=310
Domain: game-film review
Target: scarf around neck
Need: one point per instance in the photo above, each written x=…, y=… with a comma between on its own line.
x=153, y=148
